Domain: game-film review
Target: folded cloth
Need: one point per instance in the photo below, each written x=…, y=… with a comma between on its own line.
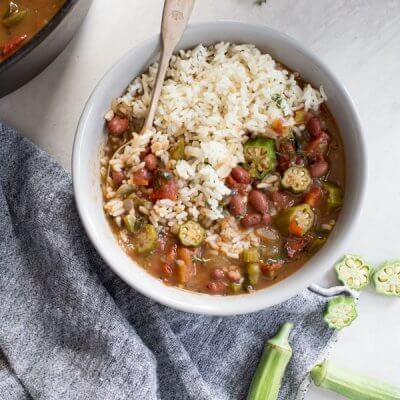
x=70, y=329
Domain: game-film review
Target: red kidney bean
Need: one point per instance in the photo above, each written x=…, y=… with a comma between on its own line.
x=281, y=200
x=314, y=127
x=296, y=245
x=218, y=273
x=234, y=276
x=266, y=219
x=251, y=220
x=216, y=287
x=117, y=126
x=258, y=201
x=142, y=177
x=241, y=175
x=151, y=162
x=117, y=177
x=319, y=168
x=237, y=205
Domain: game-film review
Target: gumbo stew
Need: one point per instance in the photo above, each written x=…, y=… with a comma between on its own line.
x=208, y=220
x=21, y=20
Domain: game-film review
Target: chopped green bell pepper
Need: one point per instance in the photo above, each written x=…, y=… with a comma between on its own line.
x=260, y=156
x=14, y=18
x=316, y=244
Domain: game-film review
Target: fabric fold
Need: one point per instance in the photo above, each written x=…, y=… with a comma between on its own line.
x=71, y=329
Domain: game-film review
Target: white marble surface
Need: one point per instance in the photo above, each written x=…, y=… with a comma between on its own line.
x=359, y=39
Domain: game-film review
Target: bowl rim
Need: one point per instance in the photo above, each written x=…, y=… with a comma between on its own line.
x=40, y=36
x=236, y=307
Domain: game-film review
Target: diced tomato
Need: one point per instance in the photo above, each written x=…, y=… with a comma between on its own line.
x=142, y=177
x=314, y=196
x=295, y=228
x=165, y=190
x=171, y=253
x=295, y=246
x=13, y=45
x=167, y=270
x=266, y=269
x=277, y=125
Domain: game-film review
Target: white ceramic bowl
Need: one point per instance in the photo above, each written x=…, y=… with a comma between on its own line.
x=90, y=136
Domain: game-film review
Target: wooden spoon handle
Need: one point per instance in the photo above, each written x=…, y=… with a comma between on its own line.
x=176, y=15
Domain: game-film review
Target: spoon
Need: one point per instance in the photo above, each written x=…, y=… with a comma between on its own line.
x=176, y=15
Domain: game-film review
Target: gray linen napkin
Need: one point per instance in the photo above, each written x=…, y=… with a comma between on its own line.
x=71, y=329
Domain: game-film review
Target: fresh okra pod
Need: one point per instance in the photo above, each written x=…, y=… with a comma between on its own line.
x=351, y=385
x=267, y=379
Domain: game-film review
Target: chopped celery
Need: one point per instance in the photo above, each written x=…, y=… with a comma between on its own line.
x=297, y=179
x=354, y=272
x=130, y=221
x=251, y=255
x=268, y=377
x=253, y=273
x=260, y=156
x=340, y=312
x=126, y=189
x=387, y=279
x=146, y=239
x=236, y=287
x=191, y=234
x=297, y=220
x=351, y=385
x=181, y=268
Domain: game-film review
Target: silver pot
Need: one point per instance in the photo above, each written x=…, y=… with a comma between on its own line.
x=43, y=48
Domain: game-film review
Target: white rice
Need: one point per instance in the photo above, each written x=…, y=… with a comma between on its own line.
x=214, y=98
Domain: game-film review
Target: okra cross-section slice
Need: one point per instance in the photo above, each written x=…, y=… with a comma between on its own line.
x=340, y=312
x=296, y=221
x=387, y=279
x=260, y=156
x=191, y=234
x=354, y=272
x=334, y=199
x=296, y=179
x=146, y=239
